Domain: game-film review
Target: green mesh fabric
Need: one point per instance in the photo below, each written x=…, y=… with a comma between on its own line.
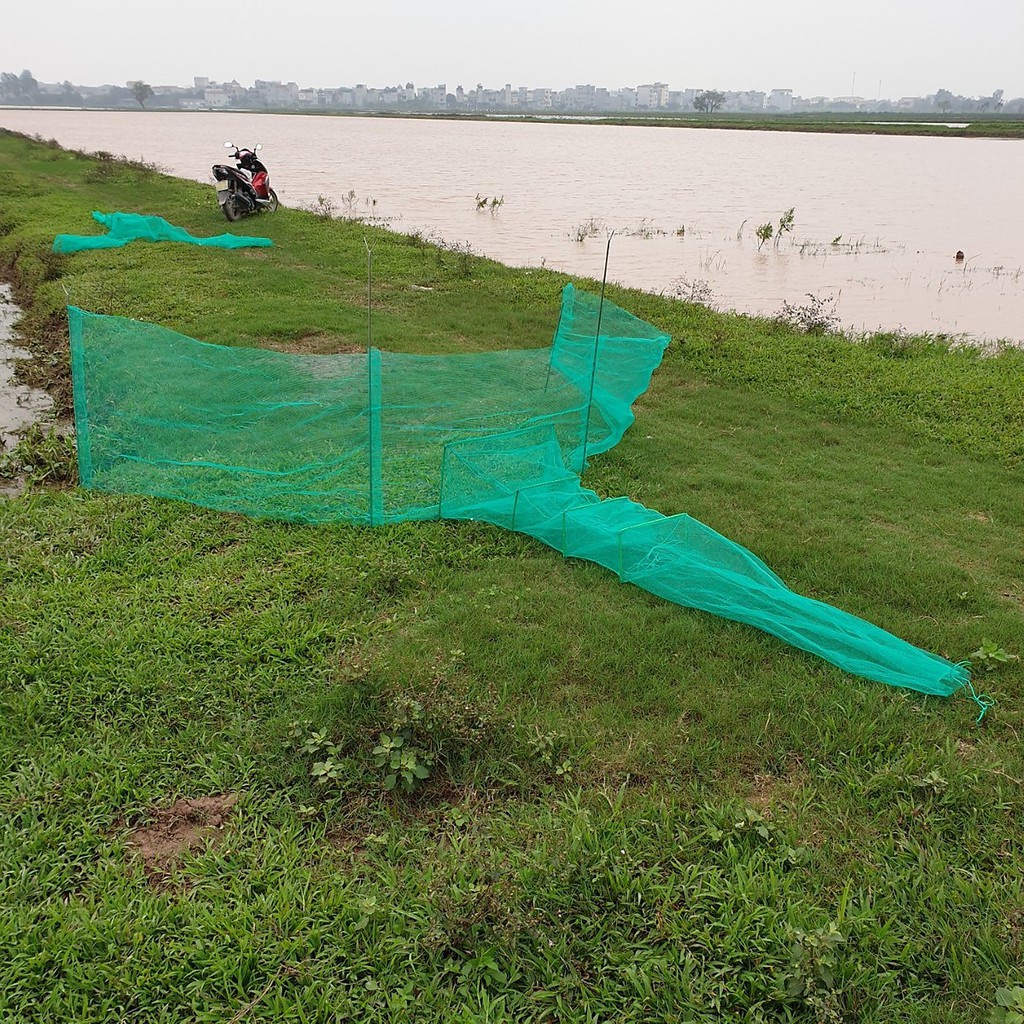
x=123, y=228
x=381, y=437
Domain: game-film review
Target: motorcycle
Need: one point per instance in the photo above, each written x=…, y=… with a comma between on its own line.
x=244, y=189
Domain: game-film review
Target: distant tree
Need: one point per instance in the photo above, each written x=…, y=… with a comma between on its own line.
x=708, y=101
x=29, y=86
x=10, y=87
x=69, y=94
x=141, y=92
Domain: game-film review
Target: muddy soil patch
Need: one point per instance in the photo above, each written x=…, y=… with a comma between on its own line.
x=315, y=345
x=172, y=832
x=767, y=791
x=20, y=405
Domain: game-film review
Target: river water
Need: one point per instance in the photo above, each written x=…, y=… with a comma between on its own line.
x=877, y=219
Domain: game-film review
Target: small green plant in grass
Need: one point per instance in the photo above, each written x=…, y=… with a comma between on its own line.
x=752, y=827
x=404, y=767
x=811, y=979
x=932, y=784
x=1009, y=1008
x=990, y=656
x=752, y=822
x=316, y=743
x=546, y=747
x=327, y=771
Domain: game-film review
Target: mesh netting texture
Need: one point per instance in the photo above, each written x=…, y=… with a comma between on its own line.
x=378, y=437
x=123, y=228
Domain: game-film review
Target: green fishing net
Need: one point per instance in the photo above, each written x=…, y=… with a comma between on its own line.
x=123, y=228
x=380, y=437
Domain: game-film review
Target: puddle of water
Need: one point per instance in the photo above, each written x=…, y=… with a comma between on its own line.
x=20, y=406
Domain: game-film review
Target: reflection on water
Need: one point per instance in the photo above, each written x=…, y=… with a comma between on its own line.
x=878, y=219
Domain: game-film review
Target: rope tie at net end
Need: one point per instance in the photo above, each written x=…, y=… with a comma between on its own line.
x=983, y=700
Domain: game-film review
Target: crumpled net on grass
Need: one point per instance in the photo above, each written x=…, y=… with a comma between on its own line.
x=123, y=228
x=380, y=437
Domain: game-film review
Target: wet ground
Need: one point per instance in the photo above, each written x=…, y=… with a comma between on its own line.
x=20, y=406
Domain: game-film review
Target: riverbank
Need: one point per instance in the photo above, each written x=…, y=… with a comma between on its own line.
x=633, y=812
x=993, y=126
x=854, y=124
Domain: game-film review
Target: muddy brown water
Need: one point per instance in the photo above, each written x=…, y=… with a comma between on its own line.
x=878, y=219
x=20, y=406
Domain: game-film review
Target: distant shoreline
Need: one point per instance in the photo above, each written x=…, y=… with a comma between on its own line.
x=990, y=127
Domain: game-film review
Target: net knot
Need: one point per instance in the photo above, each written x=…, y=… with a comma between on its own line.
x=983, y=700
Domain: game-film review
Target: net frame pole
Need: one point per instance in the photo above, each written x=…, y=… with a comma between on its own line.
x=369, y=294
x=597, y=342
x=374, y=401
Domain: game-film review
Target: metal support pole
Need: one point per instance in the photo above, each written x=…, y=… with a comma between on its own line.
x=597, y=341
x=369, y=293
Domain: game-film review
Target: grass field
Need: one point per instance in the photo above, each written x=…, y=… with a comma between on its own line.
x=1006, y=126
x=632, y=812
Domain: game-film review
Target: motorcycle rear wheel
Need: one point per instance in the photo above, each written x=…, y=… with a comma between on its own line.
x=233, y=209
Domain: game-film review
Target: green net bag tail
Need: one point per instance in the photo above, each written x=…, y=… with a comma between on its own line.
x=519, y=482
x=123, y=228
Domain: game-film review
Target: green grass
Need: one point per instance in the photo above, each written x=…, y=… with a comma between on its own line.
x=635, y=812
x=991, y=126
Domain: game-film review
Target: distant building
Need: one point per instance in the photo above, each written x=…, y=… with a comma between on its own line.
x=780, y=100
x=435, y=98
x=652, y=97
x=276, y=94
x=747, y=102
x=216, y=97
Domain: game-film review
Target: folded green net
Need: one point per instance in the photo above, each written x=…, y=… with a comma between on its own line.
x=123, y=228
x=378, y=437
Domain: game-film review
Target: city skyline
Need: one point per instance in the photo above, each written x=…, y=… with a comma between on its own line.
x=886, y=50
x=205, y=94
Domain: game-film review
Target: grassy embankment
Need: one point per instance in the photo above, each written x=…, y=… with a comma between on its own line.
x=992, y=126
x=634, y=813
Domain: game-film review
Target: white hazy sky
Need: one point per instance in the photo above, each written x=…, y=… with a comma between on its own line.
x=815, y=47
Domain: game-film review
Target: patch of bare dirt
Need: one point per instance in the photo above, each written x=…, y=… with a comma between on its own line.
x=768, y=790
x=347, y=840
x=174, y=831
x=315, y=345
